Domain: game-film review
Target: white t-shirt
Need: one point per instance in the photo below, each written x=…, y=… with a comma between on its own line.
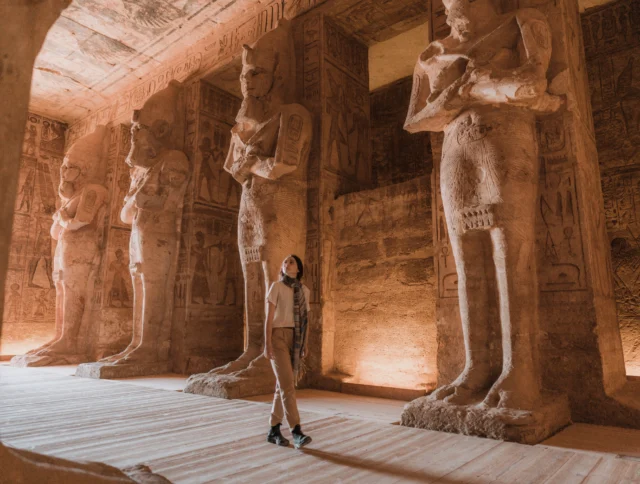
x=281, y=296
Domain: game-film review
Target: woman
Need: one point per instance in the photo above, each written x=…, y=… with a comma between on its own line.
x=285, y=335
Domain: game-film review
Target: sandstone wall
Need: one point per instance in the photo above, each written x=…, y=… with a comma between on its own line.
x=612, y=47
x=29, y=299
x=384, y=287
x=396, y=155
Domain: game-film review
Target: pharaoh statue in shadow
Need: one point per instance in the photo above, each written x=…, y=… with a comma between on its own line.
x=153, y=207
x=483, y=86
x=268, y=155
x=77, y=227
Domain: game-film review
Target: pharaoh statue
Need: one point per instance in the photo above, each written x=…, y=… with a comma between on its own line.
x=268, y=155
x=483, y=86
x=153, y=208
x=77, y=228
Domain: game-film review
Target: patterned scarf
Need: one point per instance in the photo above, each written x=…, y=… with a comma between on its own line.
x=300, y=320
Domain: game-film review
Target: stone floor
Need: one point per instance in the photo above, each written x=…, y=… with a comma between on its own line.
x=196, y=439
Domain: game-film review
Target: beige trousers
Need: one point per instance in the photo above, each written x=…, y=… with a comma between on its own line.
x=284, y=400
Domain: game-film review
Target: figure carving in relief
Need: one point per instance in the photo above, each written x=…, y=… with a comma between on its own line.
x=212, y=161
x=27, y=192
x=29, y=144
x=200, y=285
x=77, y=228
x=13, y=303
x=40, y=267
x=153, y=207
x=119, y=293
x=269, y=150
x=336, y=109
x=483, y=85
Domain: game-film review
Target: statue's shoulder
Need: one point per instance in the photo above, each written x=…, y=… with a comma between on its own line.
x=296, y=109
x=95, y=187
x=175, y=160
x=526, y=15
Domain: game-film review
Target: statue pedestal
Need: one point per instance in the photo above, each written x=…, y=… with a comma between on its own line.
x=24, y=361
x=257, y=379
x=524, y=427
x=106, y=371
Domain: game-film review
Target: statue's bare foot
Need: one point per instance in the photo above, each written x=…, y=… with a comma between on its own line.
x=515, y=391
x=239, y=364
x=465, y=388
x=57, y=348
x=119, y=356
x=36, y=351
x=141, y=354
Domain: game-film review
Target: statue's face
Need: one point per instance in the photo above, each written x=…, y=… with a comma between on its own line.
x=144, y=146
x=72, y=178
x=256, y=81
x=459, y=15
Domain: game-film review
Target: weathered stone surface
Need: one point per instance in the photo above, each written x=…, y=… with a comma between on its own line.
x=524, y=426
x=107, y=370
x=23, y=467
x=384, y=286
x=579, y=339
x=613, y=59
x=77, y=230
x=269, y=150
x=153, y=206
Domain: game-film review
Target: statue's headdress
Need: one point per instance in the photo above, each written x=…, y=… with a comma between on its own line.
x=89, y=153
x=163, y=106
x=275, y=52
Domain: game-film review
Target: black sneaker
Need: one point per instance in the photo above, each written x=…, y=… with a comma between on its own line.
x=275, y=437
x=299, y=439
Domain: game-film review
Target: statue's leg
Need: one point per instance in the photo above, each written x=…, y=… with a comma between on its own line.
x=514, y=259
x=254, y=318
x=136, y=279
x=59, y=318
x=73, y=302
x=470, y=250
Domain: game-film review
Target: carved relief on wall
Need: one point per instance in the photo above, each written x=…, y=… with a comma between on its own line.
x=378, y=20
x=396, y=156
x=214, y=186
x=612, y=45
x=216, y=277
x=118, y=289
x=346, y=127
x=559, y=241
x=30, y=293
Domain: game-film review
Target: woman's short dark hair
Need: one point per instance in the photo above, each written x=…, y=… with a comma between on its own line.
x=300, y=267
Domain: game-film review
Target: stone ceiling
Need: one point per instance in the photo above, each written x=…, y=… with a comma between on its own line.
x=99, y=49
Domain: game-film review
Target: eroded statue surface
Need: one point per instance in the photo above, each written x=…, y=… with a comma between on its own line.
x=268, y=155
x=77, y=228
x=153, y=208
x=483, y=86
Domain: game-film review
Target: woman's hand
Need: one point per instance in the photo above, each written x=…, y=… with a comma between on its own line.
x=268, y=351
x=303, y=353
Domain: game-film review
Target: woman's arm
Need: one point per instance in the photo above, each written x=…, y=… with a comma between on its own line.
x=268, y=324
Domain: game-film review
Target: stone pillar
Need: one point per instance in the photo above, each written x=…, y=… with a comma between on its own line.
x=579, y=350
x=333, y=75
x=207, y=319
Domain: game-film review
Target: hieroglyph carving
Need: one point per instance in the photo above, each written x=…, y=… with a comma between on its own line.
x=77, y=228
x=153, y=207
x=483, y=85
x=268, y=155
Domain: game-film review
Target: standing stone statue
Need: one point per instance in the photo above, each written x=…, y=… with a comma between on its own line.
x=483, y=85
x=268, y=154
x=77, y=226
x=153, y=207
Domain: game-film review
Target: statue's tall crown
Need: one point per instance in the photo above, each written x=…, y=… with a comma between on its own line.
x=162, y=106
x=89, y=153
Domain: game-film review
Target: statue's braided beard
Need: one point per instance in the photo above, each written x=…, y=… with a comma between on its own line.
x=255, y=109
